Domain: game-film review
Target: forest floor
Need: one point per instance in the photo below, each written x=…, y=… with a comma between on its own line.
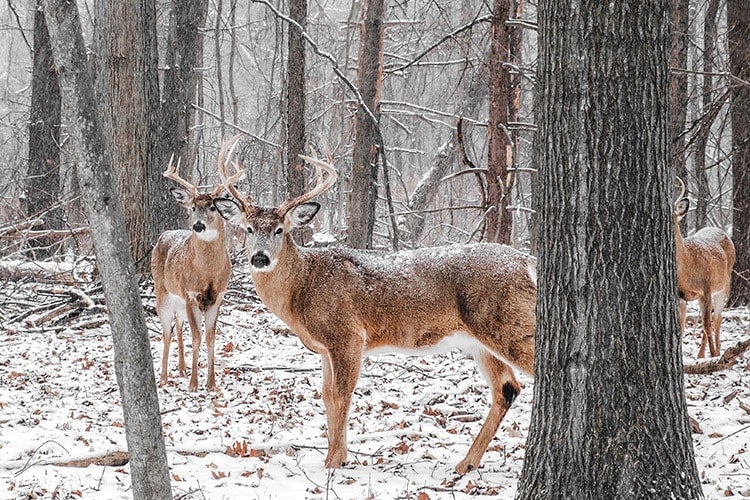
x=262, y=435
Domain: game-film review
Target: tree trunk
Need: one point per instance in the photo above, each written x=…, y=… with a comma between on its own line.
x=127, y=91
x=679, y=89
x=184, y=46
x=295, y=101
x=499, y=149
x=132, y=351
x=609, y=418
x=709, y=115
x=43, y=177
x=738, y=19
x=364, y=191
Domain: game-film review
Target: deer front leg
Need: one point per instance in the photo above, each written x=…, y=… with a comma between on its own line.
x=179, y=326
x=212, y=313
x=340, y=374
x=194, y=319
x=505, y=388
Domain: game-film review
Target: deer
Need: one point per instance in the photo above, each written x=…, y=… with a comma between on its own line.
x=704, y=271
x=191, y=270
x=345, y=304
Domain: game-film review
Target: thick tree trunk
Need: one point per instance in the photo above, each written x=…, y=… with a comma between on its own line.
x=499, y=145
x=609, y=417
x=132, y=351
x=43, y=177
x=128, y=95
x=364, y=191
x=182, y=55
x=738, y=19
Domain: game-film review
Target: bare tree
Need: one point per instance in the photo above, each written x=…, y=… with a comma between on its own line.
x=43, y=178
x=679, y=89
x=132, y=350
x=183, y=53
x=128, y=94
x=364, y=192
x=499, y=148
x=608, y=363
x=295, y=100
x=738, y=17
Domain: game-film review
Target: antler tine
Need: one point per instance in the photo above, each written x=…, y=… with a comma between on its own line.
x=326, y=177
x=172, y=172
x=682, y=193
x=225, y=156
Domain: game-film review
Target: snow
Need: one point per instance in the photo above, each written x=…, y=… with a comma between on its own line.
x=262, y=435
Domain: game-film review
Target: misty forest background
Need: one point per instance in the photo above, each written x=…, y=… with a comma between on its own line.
x=422, y=68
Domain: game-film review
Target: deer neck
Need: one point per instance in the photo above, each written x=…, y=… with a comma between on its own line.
x=278, y=287
x=679, y=243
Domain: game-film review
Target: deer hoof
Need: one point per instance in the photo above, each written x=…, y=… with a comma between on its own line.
x=335, y=460
x=465, y=467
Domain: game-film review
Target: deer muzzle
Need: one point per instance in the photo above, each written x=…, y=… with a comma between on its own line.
x=260, y=260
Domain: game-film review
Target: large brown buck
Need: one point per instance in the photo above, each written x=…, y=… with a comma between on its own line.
x=191, y=271
x=704, y=273
x=344, y=304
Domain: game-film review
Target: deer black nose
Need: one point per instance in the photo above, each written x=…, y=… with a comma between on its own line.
x=260, y=260
x=199, y=227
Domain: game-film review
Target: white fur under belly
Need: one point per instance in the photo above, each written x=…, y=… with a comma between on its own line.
x=457, y=340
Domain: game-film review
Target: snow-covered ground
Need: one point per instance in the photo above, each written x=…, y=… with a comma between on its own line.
x=262, y=435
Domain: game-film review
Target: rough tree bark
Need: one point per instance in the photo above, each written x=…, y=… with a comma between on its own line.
x=43, y=178
x=738, y=19
x=609, y=418
x=132, y=351
x=364, y=191
x=128, y=93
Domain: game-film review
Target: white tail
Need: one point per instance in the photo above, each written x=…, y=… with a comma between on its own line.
x=344, y=304
x=191, y=271
x=704, y=273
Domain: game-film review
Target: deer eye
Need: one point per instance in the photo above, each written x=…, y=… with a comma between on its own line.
x=213, y=208
x=250, y=230
x=279, y=230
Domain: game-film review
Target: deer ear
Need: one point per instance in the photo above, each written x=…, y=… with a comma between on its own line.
x=304, y=213
x=230, y=210
x=183, y=197
x=681, y=207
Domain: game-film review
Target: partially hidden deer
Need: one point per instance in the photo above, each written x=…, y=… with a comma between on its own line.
x=191, y=271
x=344, y=304
x=704, y=273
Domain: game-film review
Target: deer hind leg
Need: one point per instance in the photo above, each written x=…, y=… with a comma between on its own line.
x=707, y=339
x=166, y=314
x=718, y=301
x=683, y=315
x=194, y=319
x=210, y=318
x=340, y=373
x=505, y=388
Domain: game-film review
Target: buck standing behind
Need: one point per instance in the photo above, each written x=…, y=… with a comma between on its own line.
x=191, y=271
x=344, y=304
x=704, y=273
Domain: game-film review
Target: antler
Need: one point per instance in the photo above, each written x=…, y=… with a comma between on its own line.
x=682, y=193
x=172, y=172
x=225, y=156
x=323, y=184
